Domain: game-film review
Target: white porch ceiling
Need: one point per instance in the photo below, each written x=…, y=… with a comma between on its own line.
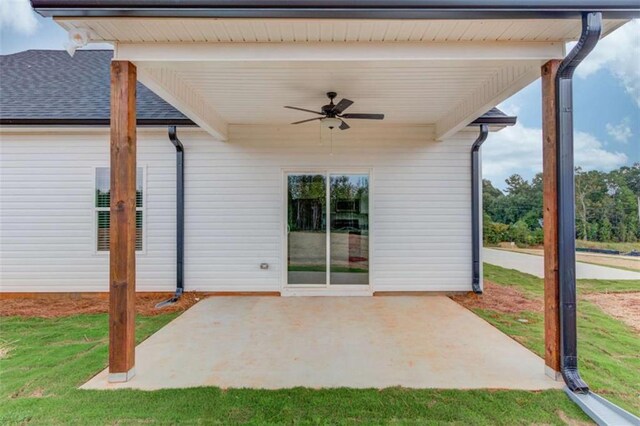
x=135, y=30
x=444, y=73
x=255, y=93
x=445, y=84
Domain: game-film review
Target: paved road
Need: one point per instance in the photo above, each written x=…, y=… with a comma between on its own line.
x=534, y=265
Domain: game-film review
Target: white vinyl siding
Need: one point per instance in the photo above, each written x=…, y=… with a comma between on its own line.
x=47, y=211
x=420, y=201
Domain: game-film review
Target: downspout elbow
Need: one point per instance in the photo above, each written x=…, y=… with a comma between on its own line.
x=482, y=137
x=173, y=137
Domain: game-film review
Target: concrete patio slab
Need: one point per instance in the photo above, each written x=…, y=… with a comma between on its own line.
x=325, y=342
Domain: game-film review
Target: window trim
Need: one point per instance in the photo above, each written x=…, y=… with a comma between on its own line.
x=94, y=210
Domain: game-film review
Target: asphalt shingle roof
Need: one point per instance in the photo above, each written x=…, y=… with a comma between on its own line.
x=50, y=84
x=43, y=86
x=496, y=117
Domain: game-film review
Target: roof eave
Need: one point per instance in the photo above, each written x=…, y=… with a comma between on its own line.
x=337, y=9
x=495, y=121
x=95, y=122
x=100, y=122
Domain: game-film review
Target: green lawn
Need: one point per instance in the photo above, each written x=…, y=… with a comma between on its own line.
x=624, y=247
x=44, y=360
x=609, y=350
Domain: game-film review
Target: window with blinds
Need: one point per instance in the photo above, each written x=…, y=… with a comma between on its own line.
x=103, y=215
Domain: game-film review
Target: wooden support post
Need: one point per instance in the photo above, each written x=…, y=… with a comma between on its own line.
x=550, y=217
x=122, y=261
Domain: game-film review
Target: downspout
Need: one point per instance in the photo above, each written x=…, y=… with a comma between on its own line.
x=591, y=29
x=599, y=409
x=476, y=182
x=173, y=137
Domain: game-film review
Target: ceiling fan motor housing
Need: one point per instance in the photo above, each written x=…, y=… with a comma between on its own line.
x=326, y=109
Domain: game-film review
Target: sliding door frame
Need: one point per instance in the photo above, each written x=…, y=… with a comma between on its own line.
x=326, y=289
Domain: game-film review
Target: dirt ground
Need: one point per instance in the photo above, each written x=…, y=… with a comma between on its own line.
x=623, y=306
x=52, y=307
x=499, y=298
x=615, y=261
x=625, y=262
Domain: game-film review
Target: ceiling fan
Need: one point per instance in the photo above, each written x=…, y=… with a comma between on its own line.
x=332, y=114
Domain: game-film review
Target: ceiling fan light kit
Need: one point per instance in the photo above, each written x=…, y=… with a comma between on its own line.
x=332, y=114
x=331, y=123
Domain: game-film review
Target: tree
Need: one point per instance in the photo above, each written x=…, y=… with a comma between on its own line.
x=590, y=188
x=523, y=200
x=607, y=206
x=490, y=197
x=516, y=185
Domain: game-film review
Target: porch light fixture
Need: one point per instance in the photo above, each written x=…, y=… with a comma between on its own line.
x=331, y=122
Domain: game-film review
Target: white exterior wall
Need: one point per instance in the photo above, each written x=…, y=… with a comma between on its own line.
x=234, y=198
x=47, y=228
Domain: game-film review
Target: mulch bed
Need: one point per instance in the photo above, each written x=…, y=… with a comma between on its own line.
x=500, y=299
x=53, y=307
x=496, y=298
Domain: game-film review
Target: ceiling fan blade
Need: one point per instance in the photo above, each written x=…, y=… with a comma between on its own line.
x=310, y=119
x=305, y=110
x=364, y=116
x=344, y=126
x=341, y=106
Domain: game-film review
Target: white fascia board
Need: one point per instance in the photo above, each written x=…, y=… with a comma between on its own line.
x=342, y=51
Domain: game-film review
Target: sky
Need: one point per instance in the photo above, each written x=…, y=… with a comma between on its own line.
x=606, y=99
x=606, y=104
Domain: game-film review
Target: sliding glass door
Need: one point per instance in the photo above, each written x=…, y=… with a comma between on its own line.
x=349, y=229
x=327, y=229
x=306, y=229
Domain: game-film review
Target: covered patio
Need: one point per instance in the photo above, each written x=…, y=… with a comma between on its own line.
x=328, y=342
x=432, y=69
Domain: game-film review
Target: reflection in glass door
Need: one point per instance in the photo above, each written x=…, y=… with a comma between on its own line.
x=335, y=202
x=349, y=229
x=306, y=229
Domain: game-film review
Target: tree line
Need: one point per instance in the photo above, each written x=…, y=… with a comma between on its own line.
x=607, y=207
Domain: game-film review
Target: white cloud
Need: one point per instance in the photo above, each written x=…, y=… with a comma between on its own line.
x=591, y=155
x=510, y=107
x=518, y=149
x=619, y=53
x=18, y=16
x=620, y=132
